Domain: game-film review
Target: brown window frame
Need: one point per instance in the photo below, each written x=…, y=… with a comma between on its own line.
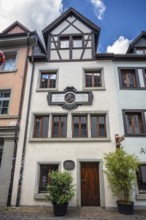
x=44, y=178
x=141, y=122
x=80, y=127
x=42, y=132
x=59, y=135
x=93, y=82
x=140, y=183
x=98, y=129
x=124, y=72
x=48, y=81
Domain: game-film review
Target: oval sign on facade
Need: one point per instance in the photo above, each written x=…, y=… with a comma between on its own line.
x=69, y=165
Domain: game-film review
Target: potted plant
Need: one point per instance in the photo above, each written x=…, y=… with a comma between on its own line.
x=121, y=174
x=60, y=191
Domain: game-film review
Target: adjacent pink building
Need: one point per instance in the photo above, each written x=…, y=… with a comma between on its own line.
x=17, y=43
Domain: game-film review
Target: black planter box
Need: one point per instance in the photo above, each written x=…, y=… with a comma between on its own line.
x=126, y=209
x=60, y=210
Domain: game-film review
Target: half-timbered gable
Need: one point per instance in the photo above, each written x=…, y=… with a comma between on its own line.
x=138, y=46
x=71, y=37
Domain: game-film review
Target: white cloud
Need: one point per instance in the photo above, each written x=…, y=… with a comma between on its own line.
x=99, y=8
x=34, y=14
x=119, y=46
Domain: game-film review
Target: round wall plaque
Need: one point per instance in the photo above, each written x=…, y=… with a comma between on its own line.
x=69, y=165
x=69, y=97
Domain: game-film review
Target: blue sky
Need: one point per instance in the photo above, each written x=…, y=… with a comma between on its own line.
x=121, y=21
x=121, y=18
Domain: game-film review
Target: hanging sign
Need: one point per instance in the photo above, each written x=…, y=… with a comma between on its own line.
x=2, y=57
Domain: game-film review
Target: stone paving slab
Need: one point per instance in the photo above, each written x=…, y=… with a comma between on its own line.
x=85, y=213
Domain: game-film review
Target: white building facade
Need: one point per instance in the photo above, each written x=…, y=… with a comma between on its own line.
x=72, y=111
x=130, y=80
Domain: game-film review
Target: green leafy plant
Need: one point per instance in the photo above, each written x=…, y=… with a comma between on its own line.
x=121, y=173
x=60, y=190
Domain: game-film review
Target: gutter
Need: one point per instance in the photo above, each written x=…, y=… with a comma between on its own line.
x=17, y=127
x=120, y=57
x=25, y=137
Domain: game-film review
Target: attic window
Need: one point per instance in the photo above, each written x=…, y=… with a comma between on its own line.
x=64, y=42
x=77, y=41
x=141, y=51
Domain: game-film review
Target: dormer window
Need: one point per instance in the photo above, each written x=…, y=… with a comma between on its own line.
x=141, y=51
x=77, y=41
x=64, y=42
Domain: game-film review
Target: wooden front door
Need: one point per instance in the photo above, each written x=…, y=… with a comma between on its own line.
x=90, y=193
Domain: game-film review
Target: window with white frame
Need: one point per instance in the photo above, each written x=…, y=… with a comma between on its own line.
x=4, y=101
x=71, y=41
x=141, y=179
x=10, y=63
x=141, y=51
x=64, y=42
x=77, y=41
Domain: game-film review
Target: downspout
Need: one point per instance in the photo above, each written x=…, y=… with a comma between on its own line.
x=17, y=126
x=25, y=137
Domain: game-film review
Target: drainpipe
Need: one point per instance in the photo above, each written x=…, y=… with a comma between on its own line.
x=17, y=127
x=25, y=137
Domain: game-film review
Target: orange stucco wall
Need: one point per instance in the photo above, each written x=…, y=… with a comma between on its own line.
x=13, y=81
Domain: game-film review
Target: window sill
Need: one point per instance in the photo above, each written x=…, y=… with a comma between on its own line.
x=136, y=88
x=46, y=90
x=69, y=140
x=6, y=116
x=141, y=197
x=40, y=196
x=140, y=135
x=94, y=89
x=6, y=71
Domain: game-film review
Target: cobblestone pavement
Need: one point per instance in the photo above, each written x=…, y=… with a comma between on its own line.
x=46, y=213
